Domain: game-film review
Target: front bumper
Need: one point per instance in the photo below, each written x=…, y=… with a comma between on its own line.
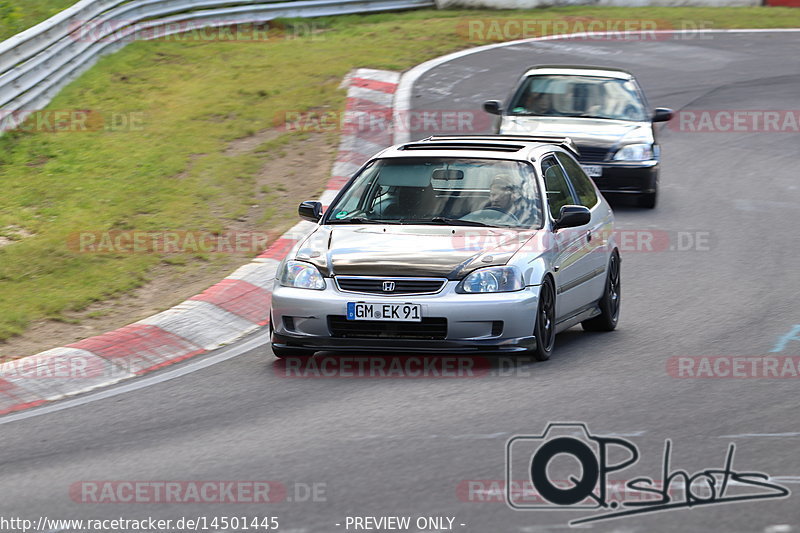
x=626, y=177
x=300, y=318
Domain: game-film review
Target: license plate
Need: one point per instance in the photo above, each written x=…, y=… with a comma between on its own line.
x=593, y=171
x=389, y=312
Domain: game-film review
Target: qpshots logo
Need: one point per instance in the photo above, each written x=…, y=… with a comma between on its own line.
x=568, y=467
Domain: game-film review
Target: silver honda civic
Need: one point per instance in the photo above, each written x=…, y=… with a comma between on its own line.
x=452, y=244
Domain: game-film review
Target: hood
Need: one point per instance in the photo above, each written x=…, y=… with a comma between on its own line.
x=395, y=250
x=603, y=133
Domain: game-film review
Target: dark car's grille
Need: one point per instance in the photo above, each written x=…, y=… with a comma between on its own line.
x=401, y=285
x=429, y=328
x=592, y=153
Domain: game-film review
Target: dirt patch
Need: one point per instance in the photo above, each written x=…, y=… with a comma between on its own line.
x=248, y=144
x=12, y=234
x=297, y=172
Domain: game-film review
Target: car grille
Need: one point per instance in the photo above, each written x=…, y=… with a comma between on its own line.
x=429, y=328
x=592, y=153
x=401, y=285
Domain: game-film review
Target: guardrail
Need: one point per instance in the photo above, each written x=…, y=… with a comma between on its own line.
x=37, y=63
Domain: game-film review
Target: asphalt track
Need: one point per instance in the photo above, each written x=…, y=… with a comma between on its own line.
x=402, y=446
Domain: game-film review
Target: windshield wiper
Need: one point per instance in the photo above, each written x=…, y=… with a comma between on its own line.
x=449, y=222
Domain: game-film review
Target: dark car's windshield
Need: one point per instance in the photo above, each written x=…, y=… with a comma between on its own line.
x=579, y=96
x=448, y=191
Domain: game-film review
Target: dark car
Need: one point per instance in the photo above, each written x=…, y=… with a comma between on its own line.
x=604, y=111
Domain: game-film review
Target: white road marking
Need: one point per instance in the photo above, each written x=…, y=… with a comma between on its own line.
x=469, y=436
x=785, y=479
x=223, y=354
x=545, y=529
x=758, y=435
x=760, y=205
x=778, y=528
x=479, y=436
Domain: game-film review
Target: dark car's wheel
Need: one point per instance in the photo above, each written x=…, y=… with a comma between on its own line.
x=545, y=322
x=647, y=200
x=610, y=302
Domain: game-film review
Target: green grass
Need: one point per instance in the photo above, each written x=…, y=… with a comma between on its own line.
x=194, y=99
x=19, y=15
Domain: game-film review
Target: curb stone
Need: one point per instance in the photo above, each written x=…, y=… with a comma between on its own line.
x=220, y=315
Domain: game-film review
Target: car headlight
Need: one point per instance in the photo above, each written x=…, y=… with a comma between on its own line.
x=492, y=279
x=634, y=152
x=301, y=276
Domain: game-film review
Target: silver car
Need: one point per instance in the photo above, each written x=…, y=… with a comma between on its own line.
x=452, y=244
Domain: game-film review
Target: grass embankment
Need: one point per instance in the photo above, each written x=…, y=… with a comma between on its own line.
x=19, y=15
x=176, y=170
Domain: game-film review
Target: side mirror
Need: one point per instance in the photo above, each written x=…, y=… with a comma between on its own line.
x=572, y=216
x=662, y=114
x=495, y=107
x=310, y=211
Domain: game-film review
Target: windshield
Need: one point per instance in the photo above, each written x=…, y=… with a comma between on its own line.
x=451, y=191
x=579, y=96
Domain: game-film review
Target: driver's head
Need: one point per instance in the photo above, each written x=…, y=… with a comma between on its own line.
x=539, y=103
x=501, y=192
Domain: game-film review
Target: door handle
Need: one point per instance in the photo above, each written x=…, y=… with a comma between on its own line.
x=589, y=236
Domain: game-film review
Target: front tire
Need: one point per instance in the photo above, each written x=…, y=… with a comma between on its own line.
x=544, y=328
x=610, y=302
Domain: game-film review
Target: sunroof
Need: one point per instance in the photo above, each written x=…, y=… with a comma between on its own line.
x=494, y=147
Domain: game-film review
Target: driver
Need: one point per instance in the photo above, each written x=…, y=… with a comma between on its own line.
x=539, y=103
x=502, y=194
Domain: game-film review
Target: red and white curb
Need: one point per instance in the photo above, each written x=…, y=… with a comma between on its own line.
x=223, y=313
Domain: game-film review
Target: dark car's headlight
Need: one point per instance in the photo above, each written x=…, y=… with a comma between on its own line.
x=492, y=279
x=634, y=152
x=301, y=275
